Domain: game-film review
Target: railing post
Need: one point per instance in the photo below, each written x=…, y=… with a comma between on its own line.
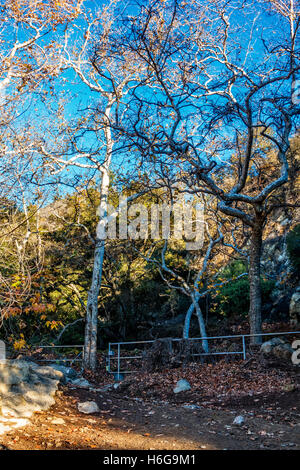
x=244, y=348
x=118, y=361
x=242, y=352
x=108, y=358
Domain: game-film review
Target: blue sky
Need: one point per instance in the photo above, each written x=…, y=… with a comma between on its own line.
x=78, y=96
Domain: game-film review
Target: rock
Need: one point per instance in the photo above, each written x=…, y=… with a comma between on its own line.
x=58, y=421
x=283, y=351
x=277, y=348
x=81, y=382
x=69, y=374
x=88, y=407
x=49, y=372
x=191, y=407
x=13, y=372
x=182, y=386
x=239, y=420
x=26, y=387
x=295, y=308
x=268, y=346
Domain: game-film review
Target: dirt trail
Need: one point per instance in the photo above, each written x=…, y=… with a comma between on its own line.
x=128, y=423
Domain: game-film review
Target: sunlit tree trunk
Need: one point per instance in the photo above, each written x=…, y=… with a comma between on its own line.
x=186, y=330
x=255, y=283
x=90, y=339
x=91, y=327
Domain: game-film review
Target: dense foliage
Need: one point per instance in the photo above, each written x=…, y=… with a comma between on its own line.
x=293, y=247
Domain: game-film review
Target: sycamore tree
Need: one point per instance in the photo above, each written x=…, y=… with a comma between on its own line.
x=27, y=47
x=198, y=274
x=221, y=105
x=91, y=49
x=27, y=61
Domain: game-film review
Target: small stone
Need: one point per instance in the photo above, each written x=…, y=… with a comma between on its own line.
x=88, y=407
x=182, y=386
x=239, y=420
x=69, y=374
x=191, y=407
x=82, y=383
x=58, y=421
x=106, y=388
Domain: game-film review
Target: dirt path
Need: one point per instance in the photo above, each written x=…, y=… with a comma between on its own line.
x=127, y=423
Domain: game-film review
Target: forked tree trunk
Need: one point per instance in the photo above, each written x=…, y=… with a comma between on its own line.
x=186, y=330
x=255, y=283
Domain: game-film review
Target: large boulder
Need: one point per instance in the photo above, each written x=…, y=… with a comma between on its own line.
x=276, y=351
x=26, y=387
x=13, y=372
x=295, y=308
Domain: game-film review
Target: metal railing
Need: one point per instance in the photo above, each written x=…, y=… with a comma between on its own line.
x=78, y=357
x=112, y=357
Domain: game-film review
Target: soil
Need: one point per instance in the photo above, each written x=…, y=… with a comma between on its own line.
x=186, y=421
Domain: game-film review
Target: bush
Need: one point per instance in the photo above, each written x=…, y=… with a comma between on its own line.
x=293, y=246
x=233, y=299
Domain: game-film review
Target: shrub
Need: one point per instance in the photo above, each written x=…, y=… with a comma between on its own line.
x=293, y=246
x=233, y=299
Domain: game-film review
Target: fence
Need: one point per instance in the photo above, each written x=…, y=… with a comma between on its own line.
x=78, y=356
x=115, y=356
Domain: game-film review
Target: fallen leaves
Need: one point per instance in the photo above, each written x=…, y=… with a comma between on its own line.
x=220, y=380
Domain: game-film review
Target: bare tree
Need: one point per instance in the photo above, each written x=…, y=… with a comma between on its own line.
x=202, y=263
x=27, y=60
x=221, y=105
x=108, y=71
x=26, y=54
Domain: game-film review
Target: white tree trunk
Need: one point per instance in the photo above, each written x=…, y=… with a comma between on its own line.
x=186, y=330
x=90, y=339
x=91, y=326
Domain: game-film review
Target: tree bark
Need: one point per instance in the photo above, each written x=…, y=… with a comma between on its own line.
x=90, y=338
x=91, y=326
x=255, y=283
x=187, y=322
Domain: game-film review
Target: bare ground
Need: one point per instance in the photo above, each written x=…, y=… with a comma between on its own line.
x=162, y=420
